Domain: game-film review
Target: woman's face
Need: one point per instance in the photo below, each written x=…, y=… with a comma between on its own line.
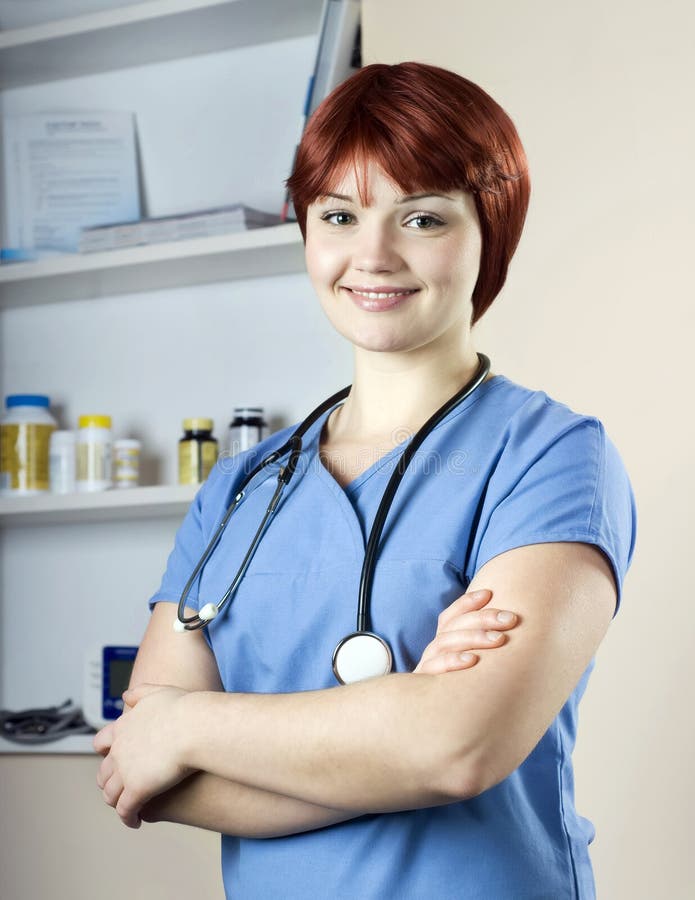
x=398, y=274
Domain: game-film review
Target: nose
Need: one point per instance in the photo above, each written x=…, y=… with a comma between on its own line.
x=376, y=249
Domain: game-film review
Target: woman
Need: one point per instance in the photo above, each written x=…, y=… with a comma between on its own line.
x=411, y=189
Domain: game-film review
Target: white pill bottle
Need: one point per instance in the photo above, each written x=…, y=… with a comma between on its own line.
x=94, y=443
x=63, y=460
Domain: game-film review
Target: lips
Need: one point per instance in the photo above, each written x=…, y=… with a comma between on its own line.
x=379, y=298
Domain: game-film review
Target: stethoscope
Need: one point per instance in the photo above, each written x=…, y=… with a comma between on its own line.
x=360, y=654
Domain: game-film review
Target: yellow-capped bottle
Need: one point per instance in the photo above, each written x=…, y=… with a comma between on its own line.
x=197, y=451
x=94, y=453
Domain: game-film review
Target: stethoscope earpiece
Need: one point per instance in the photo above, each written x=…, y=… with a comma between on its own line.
x=208, y=612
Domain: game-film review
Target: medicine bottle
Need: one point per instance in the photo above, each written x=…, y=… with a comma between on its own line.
x=62, y=456
x=25, y=432
x=94, y=453
x=126, y=463
x=197, y=451
x=248, y=428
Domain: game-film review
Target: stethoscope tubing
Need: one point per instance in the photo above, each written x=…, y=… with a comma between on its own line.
x=293, y=446
x=368, y=566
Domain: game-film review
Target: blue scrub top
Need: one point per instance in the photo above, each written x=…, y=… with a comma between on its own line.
x=508, y=467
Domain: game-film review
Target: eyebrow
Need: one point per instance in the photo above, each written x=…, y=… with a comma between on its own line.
x=407, y=199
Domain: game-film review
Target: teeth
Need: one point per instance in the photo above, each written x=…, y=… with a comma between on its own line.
x=375, y=295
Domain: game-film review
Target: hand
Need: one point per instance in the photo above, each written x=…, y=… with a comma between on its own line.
x=461, y=627
x=142, y=750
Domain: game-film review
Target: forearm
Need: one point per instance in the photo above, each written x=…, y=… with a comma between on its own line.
x=381, y=745
x=208, y=801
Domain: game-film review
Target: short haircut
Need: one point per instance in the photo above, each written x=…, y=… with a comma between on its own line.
x=428, y=129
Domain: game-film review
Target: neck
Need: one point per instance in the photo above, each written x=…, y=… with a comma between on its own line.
x=393, y=395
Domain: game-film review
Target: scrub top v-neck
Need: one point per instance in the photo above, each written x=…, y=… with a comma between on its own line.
x=354, y=490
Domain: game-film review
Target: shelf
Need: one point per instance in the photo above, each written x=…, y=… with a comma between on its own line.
x=79, y=743
x=147, y=32
x=102, y=506
x=277, y=250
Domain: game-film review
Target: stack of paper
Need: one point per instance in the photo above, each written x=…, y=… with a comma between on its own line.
x=202, y=223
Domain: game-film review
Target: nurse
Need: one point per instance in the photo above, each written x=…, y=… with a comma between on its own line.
x=440, y=779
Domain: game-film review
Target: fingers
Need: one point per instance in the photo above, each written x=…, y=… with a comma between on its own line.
x=134, y=694
x=487, y=619
x=103, y=740
x=451, y=644
x=469, y=630
x=114, y=794
x=105, y=772
x=437, y=664
x=465, y=639
x=464, y=603
x=112, y=790
x=128, y=808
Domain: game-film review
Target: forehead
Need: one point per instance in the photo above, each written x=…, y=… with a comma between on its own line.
x=369, y=184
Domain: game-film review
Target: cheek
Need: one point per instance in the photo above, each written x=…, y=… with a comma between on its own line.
x=321, y=264
x=456, y=268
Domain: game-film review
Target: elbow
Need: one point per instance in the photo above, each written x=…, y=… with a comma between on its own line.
x=453, y=771
x=459, y=783
x=457, y=775
x=475, y=774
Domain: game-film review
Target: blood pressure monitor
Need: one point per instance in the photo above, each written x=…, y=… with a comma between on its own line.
x=106, y=675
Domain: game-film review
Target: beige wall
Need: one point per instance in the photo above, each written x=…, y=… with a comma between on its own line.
x=598, y=312
x=59, y=841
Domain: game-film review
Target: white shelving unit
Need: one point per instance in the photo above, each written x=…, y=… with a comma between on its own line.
x=36, y=57
x=143, y=33
x=104, y=506
x=79, y=743
x=248, y=254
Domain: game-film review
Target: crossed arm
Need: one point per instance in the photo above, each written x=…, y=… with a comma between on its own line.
x=260, y=765
x=221, y=805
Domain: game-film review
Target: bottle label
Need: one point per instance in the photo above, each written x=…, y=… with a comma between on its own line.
x=126, y=464
x=93, y=462
x=196, y=459
x=243, y=437
x=24, y=456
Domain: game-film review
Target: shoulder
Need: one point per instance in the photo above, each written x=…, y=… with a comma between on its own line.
x=516, y=407
x=522, y=424
x=535, y=434
x=552, y=474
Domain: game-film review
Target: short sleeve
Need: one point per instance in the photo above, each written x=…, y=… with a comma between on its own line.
x=558, y=484
x=189, y=545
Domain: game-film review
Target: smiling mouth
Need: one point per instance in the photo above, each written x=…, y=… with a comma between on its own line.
x=381, y=295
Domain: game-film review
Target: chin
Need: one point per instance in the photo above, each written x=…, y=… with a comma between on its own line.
x=376, y=340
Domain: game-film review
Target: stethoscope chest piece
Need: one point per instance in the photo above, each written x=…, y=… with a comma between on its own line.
x=361, y=655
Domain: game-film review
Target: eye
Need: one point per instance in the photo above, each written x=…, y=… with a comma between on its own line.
x=423, y=222
x=338, y=218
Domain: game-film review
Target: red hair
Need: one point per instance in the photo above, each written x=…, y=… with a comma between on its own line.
x=428, y=129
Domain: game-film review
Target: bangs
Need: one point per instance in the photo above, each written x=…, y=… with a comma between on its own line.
x=413, y=160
